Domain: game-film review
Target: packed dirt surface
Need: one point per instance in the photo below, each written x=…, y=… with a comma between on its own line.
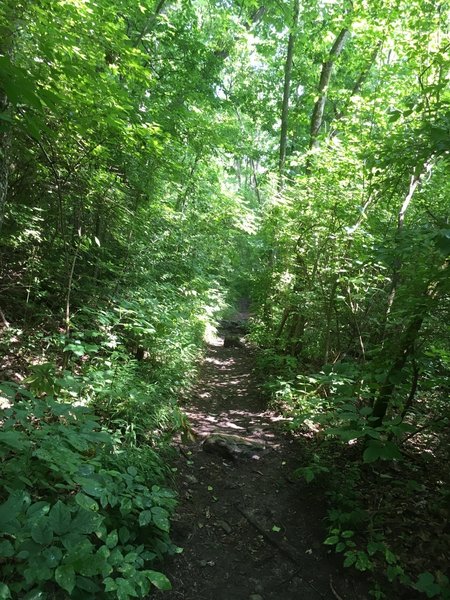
x=250, y=530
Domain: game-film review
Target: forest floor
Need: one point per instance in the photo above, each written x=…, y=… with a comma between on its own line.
x=250, y=530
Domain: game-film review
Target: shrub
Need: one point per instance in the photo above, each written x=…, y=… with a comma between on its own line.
x=71, y=523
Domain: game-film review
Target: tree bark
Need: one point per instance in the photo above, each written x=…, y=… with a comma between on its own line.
x=413, y=185
x=359, y=82
x=6, y=46
x=287, y=91
x=404, y=350
x=406, y=344
x=5, y=140
x=325, y=76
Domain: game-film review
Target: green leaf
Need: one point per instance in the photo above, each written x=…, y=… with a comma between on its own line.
x=65, y=577
x=112, y=539
x=110, y=585
x=86, y=584
x=145, y=517
x=426, y=584
x=347, y=534
x=10, y=509
x=371, y=453
x=42, y=531
x=86, y=502
x=4, y=592
x=35, y=595
x=38, y=509
x=373, y=547
x=52, y=556
x=160, y=518
x=308, y=474
x=126, y=506
x=333, y=539
x=6, y=549
x=59, y=518
x=86, y=521
x=14, y=439
x=125, y=589
x=159, y=580
x=350, y=560
x=124, y=534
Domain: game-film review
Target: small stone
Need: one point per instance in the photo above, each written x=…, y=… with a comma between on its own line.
x=191, y=478
x=225, y=526
x=255, y=597
x=207, y=563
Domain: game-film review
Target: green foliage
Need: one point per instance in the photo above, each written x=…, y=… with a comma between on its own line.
x=139, y=186
x=68, y=517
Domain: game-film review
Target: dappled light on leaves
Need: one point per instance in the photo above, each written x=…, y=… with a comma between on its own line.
x=188, y=185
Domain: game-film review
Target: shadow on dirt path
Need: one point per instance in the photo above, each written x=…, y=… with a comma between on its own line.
x=249, y=530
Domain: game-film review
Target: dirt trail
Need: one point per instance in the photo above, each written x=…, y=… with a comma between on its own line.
x=249, y=530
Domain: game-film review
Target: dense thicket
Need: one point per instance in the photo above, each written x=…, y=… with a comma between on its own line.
x=155, y=157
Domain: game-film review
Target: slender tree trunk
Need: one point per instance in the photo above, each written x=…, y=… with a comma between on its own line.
x=182, y=198
x=69, y=290
x=298, y=331
x=359, y=81
x=287, y=91
x=5, y=140
x=330, y=308
x=413, y=389
x=255, y=181
x=6, y=48
x=286, y=313
x=404, y=350
x=413, y=185
x=325, y=76
x=405, y=347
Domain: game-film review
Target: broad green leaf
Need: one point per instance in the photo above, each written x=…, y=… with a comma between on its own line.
x=159, y=580
x=124, y=534
x=6, y=549
x=52, y=556
x=11, y=508
x=86, y=502
x=110, y=585
x=42, y=531
x=65, y=577
x=145, y=517
x=426, y=583
x=38, y=509
x=86, y=521
x=331, y=540
x=160, y=518
x=112, y=539
x=59, y=518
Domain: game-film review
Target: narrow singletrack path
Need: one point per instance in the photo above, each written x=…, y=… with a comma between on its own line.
x=249, y=529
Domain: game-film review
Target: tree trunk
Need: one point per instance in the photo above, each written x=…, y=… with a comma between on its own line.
x=297, y=335
x=404, y=350
x=325, y=76
x=413, y=185
x=359, y=82
x=5, y=139
x=287, y=91
x=6, y=47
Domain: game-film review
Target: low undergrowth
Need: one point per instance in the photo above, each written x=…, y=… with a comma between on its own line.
x=386, y=484
x=85, y=503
